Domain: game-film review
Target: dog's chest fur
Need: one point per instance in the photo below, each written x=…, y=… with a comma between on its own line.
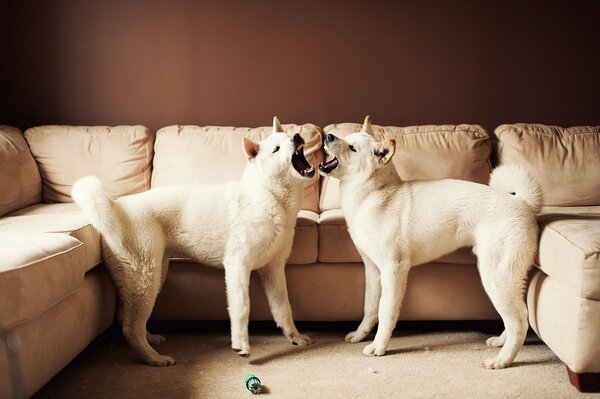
x=263, y=225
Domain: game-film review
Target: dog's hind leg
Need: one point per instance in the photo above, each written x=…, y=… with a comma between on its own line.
x=139, y=295
x=393, y=285
x=237, y=281
x=155, y=339
x=273, y=280
x=496, y=342
x=505, y=284
x=372, y=297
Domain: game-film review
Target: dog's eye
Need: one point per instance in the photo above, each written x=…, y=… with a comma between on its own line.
x=276, y=149
x=352, y=148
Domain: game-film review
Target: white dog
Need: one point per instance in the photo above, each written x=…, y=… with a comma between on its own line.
x=396, y=225
x=243, y=226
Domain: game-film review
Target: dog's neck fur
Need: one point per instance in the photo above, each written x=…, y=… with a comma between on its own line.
x=354, y=191
x=287, y=192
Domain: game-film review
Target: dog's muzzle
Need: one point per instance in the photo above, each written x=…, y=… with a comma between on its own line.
x=299, y=162
x=329, y=166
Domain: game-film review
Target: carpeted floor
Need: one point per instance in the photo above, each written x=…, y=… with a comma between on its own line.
x=419, y=364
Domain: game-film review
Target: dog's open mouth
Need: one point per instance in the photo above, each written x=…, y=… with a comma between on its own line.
x=300, y=163
x=329, y=166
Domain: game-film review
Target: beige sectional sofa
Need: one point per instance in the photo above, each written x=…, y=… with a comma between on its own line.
x=56, y=297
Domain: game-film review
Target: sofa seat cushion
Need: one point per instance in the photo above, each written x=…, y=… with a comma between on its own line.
x=214, y=154
x=569, y=250
x=423, y=153
x=120, y=156
x=37, y=270
x=336, y=246
x=57, y=218
x=564, y=160
x=44, y=209
x=306, y=242
x=19, y=176
x=305, y=248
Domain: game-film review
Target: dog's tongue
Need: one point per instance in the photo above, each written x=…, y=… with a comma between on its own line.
x=301, y=164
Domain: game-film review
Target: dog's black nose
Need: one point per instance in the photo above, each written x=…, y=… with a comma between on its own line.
x=297, y=139
x=329, y=138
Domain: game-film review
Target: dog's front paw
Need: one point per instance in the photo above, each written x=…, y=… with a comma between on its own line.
x=495, y=364
x=373, y=349
x=299, y=339
x=244, y=352
x=242, y=349
x=494, y=342
x=355, y=336
x=161, y=361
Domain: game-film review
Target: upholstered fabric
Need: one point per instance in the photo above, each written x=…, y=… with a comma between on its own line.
x=72, y=223
x=119, y=156
x=327, y=292
x=213, y=154
x=566, y=322
x=566, y=161
x=36, y=271
x=20, y=183
x=51, y=339
x=335, y=244
x=45, y=209
x=306, y=242
x=424, y=153
x=569, y=249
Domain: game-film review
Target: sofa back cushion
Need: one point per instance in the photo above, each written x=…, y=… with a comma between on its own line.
x=214, y=154
x=19, y=177
x=424, y=153
x=120, y=156
x=566, y=161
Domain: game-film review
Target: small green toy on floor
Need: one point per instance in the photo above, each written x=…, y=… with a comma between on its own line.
x=253, y=384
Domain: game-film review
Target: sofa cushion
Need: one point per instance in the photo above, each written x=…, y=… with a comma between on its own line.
x=336, y=246
x=424, y=153
x=19, y=176
x=45, y=209
x=213, y=154
x=306, y=242
x=569, y=250
x=57, y=218
x=566, y=161
x=36, y=271
x=119, y=156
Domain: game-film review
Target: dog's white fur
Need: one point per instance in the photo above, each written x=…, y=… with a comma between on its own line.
x=396, y=225
x=243, y=226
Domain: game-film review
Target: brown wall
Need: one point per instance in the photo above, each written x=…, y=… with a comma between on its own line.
x=240, y=62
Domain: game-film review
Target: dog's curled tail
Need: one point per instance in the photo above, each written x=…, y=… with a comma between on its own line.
x=98, y=207
x=517, y=180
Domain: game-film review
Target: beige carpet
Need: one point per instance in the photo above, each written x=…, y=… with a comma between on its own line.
x=419, y=364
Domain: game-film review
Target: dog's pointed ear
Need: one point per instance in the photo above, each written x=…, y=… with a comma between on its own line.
x=276, y=125
x=250, y=148
x=366, y=127
x=385, y=150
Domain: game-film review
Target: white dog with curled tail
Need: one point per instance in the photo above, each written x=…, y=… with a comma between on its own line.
x=396, y=225
x=243, y=226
